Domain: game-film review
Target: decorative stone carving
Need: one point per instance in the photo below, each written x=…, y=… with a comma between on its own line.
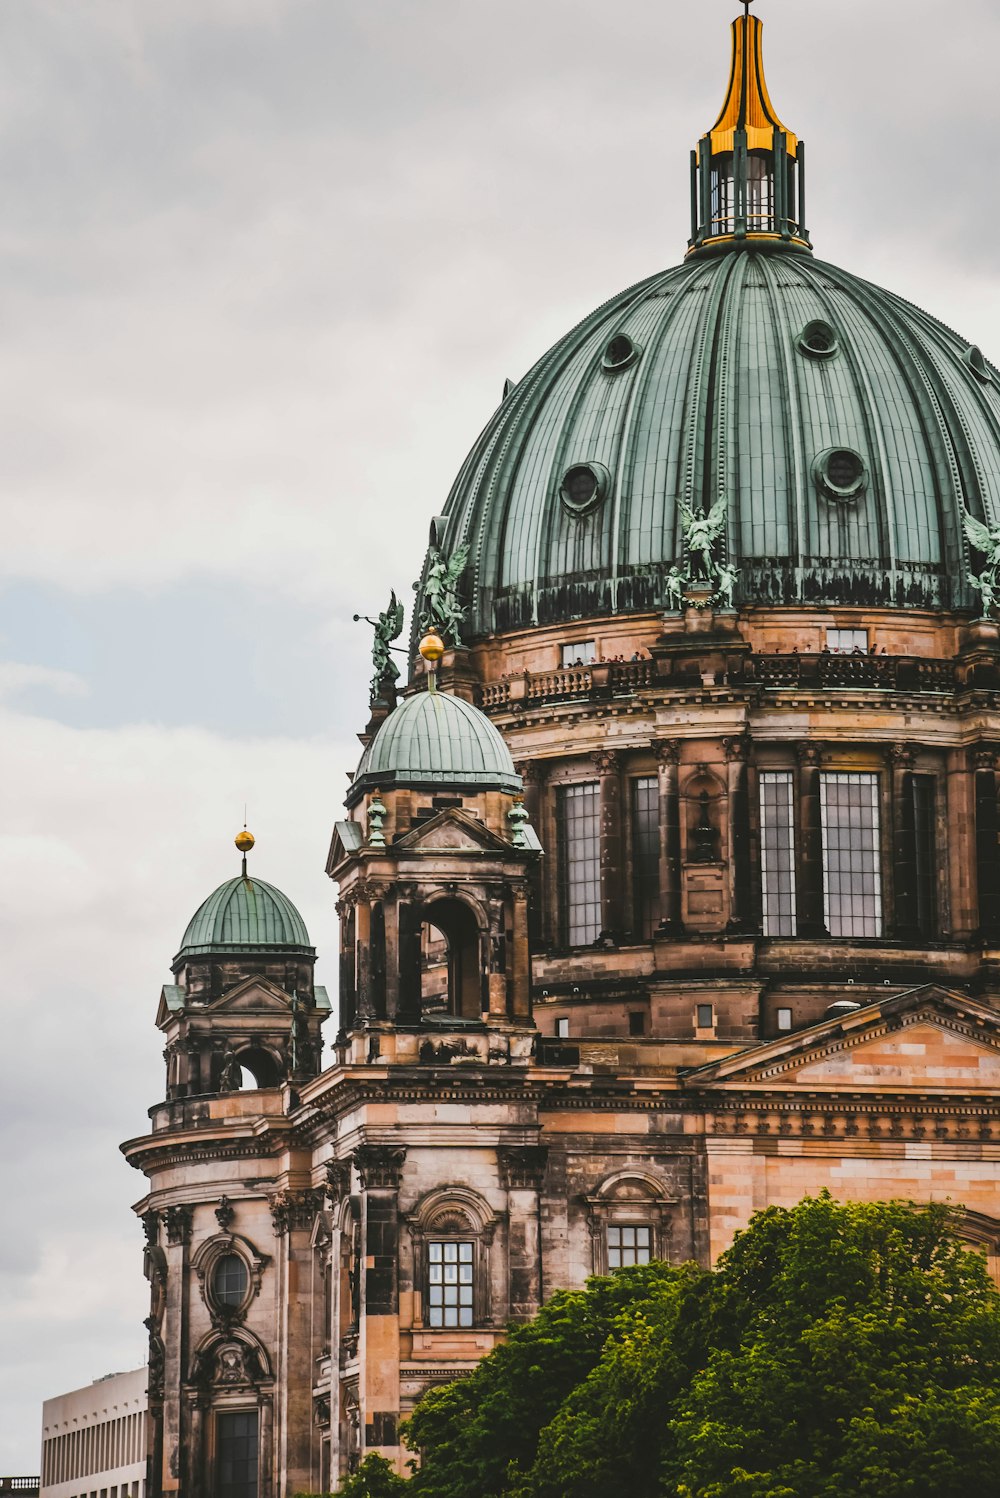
x=151, y=1228
x=901, y=756
x=667, y=751
x=338, y=1180
x=177, y=1221
x=608, y=761
x=224, y=1213
x=522, y=1167
x=294, y=1209
x=380, y=1166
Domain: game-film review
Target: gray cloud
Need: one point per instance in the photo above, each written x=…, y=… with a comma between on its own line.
x=264, y=266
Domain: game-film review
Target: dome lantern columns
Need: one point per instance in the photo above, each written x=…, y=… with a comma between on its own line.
x=748, y=171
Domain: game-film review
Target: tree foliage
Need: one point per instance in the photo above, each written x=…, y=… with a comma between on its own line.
x=834, y=1349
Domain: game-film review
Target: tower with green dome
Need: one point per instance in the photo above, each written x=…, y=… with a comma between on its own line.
x=668, y=884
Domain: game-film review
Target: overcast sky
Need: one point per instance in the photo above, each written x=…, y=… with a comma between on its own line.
x=264, y=268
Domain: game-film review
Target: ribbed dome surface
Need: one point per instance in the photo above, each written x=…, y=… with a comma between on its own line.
x=719, y=399
x=245, y=913
x=435, y=740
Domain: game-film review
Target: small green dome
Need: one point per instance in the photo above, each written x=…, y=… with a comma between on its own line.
x=436, y=741
x=245, y=914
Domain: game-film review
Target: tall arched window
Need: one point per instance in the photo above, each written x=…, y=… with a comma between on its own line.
x=451, y=968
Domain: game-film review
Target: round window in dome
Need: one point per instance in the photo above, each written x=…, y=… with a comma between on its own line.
x=584, y=487
x=620, y=352
x=841, y=473
x=230, y=1281
x=818, y=340
x=976, y=361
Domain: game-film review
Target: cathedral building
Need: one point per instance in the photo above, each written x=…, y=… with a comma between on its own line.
x=668, y=880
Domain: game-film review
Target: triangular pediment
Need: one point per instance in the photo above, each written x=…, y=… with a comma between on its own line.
x=926, y=1040
x=252, y=996
x=452, y=831
x=348, y=839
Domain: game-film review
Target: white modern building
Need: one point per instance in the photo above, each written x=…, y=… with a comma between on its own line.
x=94, y=1439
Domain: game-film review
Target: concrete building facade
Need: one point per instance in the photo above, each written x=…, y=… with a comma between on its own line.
x=95, y=1440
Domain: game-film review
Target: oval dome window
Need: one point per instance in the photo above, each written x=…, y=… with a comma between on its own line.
x=976, y=361
x=620, y=352
x=818, y=340
x=583, y=488
x=841, y=473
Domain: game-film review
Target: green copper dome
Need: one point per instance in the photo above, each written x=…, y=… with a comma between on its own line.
x=435, y=741
x=845, y=430
x=245, y=914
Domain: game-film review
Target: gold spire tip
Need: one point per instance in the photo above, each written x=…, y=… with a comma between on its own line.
x=431, y=647
x=245, y=841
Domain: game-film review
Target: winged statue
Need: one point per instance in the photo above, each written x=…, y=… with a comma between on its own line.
x=700, y=535
x=985, y=539
x=442, y=609
x=388, y=627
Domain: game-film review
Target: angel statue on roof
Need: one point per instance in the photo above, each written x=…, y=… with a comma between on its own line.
x=388, y=627
x=701, y=532
x=441, y=609
x=985, y=539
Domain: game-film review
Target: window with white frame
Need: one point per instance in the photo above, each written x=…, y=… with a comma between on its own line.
x=583, y=653
x=450, y=1300
x=847, y=641
x=579, y=863
x=852, y=864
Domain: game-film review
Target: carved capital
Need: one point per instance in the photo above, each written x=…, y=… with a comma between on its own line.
x=522, y=1167
x=380, y=1166
x=608, y=761
x=738, y=747
x=151, y=1227
x=901, y=756
x=338, y=1180
x=294, y=1209
x=667, y=751
x=809, y=754
x=533, y=771
x=177, y=1221
x=985, y=757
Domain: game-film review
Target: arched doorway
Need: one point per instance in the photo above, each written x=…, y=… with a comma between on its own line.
x=451, y=976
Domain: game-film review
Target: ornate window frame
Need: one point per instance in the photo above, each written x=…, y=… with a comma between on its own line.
x=203, y=1261
x=458, y=1214
x=646, y=1204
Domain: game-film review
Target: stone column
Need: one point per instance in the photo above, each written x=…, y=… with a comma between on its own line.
x=519, y=960
x=668, y=756
x=903, y=922
x=522, y=1169
x=987, y=845
x=534, y=773
x=740, y=878
x=177, y=1221
x=338, y=1190
x=293, y=1214
x=380, y=1169
x=406, y=951
x=609, y=768
x=811, y=921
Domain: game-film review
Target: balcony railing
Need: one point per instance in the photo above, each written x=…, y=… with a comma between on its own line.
x=819, y=672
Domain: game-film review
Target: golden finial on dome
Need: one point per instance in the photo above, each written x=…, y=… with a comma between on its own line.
x=432, y=648
x=244, y=842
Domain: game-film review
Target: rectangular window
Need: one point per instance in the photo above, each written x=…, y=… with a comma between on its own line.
x=449, y=1283
x=784, y=1019
x=629, y=1245
x=777, y=852
x=583, y=653
x=579, y=818
x=852, y=864
x=637, y=1022
x=562, y=1029
x=706, y=1017
x=646, y=855
x=847, y=641
x=236, y=1457
x=925, y=853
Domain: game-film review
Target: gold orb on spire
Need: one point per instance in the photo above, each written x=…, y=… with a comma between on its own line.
x=431, y=647
x=244, y=841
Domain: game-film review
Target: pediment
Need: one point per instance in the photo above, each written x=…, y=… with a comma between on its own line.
x=452, y=831
x=348, y=838
x=252, y=996
x=928, y=1040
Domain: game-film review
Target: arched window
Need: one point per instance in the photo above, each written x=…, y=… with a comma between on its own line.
x=451, y=969
x=451, y=1234
x=630, y=1221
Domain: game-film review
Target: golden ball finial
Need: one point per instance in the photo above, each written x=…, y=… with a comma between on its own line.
x=431, y=647
x=244, y=841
